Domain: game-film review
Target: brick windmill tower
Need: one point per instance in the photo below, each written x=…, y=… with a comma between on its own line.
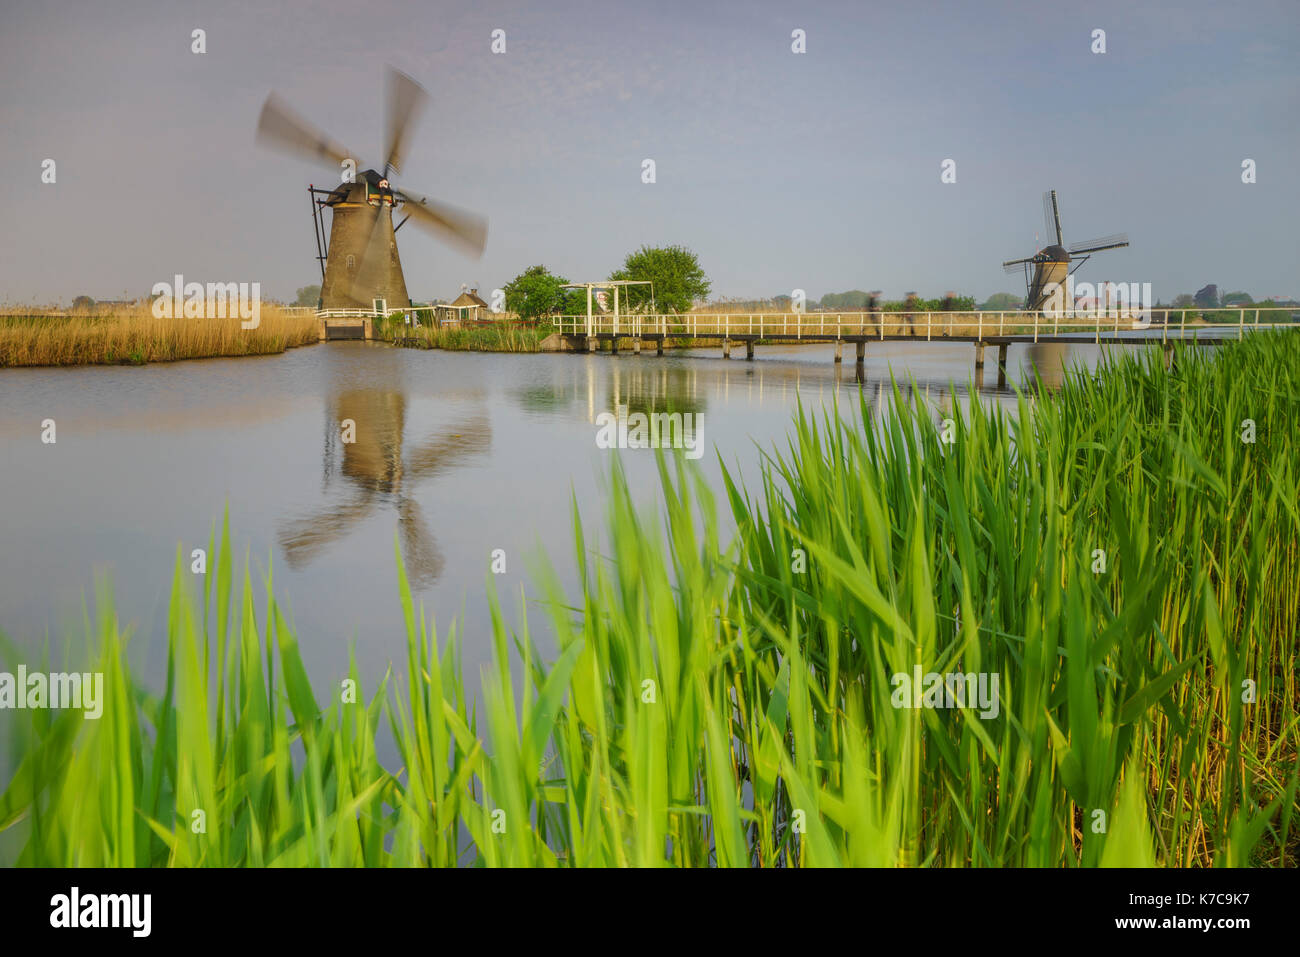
x=360, y=265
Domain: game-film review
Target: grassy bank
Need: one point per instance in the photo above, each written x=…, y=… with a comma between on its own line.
x=734, y=705
x=494, y=337
x=137, y=336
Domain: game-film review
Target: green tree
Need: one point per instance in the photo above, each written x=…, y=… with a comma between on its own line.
x=538, y=292
x=1237, y=299
x=575, y=302
x=308, y=296
x=843, y=301
x=84, y=303
x=951, y=302
x=679, y=282
x=1002, y=301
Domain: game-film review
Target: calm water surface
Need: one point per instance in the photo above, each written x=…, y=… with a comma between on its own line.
x=457, y=454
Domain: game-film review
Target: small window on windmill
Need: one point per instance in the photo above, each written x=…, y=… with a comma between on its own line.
x=352, y=262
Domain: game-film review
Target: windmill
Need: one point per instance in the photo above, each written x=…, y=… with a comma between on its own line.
x=361, y=268
x=1053, y=263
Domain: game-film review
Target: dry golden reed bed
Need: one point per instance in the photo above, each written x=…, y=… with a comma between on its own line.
x=136, y=336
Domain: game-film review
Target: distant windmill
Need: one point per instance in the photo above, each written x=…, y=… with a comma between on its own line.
x=361, y=261
x=1052, y=264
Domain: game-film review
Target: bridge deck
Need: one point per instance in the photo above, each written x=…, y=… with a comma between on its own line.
x=1202, y=335
x=962, y=326
x=1001, y=329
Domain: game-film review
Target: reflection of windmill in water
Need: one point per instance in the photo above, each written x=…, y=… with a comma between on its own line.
x=380, y=470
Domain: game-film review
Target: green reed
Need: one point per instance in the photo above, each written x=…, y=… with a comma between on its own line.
x=730, y=704
x=496, y=337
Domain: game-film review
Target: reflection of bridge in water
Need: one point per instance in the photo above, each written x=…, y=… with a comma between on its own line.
x=1163, y=327
x=589, y=388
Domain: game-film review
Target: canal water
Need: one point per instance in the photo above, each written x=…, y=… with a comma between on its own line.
x=456, y=455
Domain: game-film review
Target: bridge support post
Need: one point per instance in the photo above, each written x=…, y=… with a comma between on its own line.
x=659, y=346
x=592, y=344
x=613, y=345
x=636, y=346
x=1168, y=349
x=321, y=333
x=726, y=348
x=368, y=329
x=860, y=359
x=1002, y=365
x=979, y=363
x=839, y=350
x=749, y=349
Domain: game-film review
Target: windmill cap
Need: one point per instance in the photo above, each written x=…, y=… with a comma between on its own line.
x=343, y=191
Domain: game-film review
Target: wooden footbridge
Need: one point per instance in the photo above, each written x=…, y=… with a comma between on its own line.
x=346, y=323
x=1161, y=327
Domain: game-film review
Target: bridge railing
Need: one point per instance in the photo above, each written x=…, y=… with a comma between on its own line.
x=348, y=314
x=1170, y=323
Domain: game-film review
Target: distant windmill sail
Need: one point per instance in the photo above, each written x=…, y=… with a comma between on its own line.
x=1114, y=241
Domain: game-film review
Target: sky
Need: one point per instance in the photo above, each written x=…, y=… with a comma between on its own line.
x=818, y=171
